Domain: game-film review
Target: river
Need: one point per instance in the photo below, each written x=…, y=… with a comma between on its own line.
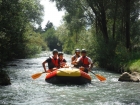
x=26, y=91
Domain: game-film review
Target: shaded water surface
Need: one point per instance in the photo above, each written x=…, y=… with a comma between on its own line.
x=25, y=91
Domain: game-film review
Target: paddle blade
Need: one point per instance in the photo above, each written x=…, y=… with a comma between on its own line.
x=37, y=75
x=101, y=78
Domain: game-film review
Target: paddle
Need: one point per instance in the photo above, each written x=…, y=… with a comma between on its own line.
x=101, y=78
x=37, y=75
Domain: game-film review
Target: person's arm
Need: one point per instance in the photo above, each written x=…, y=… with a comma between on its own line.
x=91, y=64
x=65, y=63
x=74, y=61
x=43, y=64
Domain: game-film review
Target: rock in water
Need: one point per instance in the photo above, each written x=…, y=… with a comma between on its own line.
x=4, y=78
x=134, y=77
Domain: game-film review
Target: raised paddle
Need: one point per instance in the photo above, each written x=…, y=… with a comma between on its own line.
x=101, y=78
x=37, y=75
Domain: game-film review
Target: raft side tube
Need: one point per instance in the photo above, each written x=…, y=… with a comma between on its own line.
x=68, y=80
x=51, y=74
x=85, y=75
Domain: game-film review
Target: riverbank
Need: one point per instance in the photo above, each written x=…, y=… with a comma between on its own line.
x=132, y=66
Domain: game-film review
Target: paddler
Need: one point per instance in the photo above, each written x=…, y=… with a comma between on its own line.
x=52, y=61
x=84, y=62
x=61, y=60
x=75, y=57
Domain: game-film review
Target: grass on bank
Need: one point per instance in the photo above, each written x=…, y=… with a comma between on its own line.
x=133, y=66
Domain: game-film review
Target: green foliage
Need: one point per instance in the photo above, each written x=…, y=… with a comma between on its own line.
x=49, y=25
x=113, y=34
x=68, y=46
x=103, y=52
x=34, y=42
x=133, y=66
x=64, y=39
x=31, y=50
x=51, y=39
x=15, y=16
x=32, y=10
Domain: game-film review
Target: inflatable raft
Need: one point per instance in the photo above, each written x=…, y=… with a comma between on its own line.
x=68, y=76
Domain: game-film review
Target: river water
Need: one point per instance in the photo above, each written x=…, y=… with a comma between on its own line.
x=26, y=91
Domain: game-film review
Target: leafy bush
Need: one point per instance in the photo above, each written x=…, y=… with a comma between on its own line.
x=34, y=43
x=32, y=49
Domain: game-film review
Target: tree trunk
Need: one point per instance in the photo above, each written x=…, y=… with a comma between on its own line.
x=127, y=2
x=114, y=22
x=104, y=25
x=100, y=16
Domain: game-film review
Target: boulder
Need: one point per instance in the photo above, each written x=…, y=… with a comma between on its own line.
x=133, y=77
x=4, y=78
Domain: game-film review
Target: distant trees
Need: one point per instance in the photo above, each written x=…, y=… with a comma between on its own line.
x=50, y=38
x=49, y=25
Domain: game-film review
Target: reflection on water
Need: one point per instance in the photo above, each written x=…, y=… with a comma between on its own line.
x=25, y=91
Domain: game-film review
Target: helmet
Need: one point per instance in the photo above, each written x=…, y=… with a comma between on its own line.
x=77, y=50
x=60, y=53
x=83, y=51
x=55, y=51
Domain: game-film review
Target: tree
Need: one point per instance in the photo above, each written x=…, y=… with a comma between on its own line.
x=74, y=16
x=51, y=39
x=49, y=25
x=116, y=23
x=15, y=16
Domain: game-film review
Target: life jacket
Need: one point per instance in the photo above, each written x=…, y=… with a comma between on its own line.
x=54, y=61
x=84, y=61
x=61, y=62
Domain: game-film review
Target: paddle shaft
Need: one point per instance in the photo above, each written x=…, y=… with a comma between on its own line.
x=92, y=73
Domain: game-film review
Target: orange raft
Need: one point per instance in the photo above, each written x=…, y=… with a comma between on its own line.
x=68, y=76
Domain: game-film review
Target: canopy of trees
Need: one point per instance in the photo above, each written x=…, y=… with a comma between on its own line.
x=108, y=29
x=17, y=19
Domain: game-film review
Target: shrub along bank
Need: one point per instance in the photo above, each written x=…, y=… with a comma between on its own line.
x=133, y=65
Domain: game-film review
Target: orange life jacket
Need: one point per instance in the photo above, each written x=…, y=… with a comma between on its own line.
x=54, y=61
x=61, y=60
x=84, y=61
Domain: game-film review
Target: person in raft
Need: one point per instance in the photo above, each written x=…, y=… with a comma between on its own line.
x=52, y=61
x=84, y=62
x=75, y=57
x=61, y=60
